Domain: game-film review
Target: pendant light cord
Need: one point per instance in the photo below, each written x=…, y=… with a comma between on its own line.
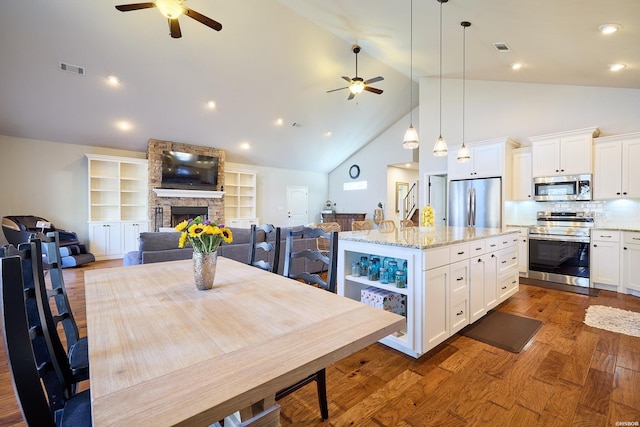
x=411, y=65
x=464, y=73
x=440, y=68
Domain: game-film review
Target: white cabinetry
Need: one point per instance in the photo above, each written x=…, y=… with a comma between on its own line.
x=565, y=153
x=617, y=167
x=604, y=271
x=118, y=204
x=490, y=158
x=240, y=198
x=631, y=263
x=522, y=187
x=523, y=250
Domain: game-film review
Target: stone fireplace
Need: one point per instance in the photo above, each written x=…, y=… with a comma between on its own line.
x=161, y=206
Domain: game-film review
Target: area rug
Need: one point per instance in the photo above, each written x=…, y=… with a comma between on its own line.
x=503, y=330
x=613, y=319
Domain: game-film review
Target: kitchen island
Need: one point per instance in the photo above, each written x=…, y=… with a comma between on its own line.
x=453, y=276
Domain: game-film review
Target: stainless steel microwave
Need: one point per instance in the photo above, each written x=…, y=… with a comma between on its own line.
x=561, y=188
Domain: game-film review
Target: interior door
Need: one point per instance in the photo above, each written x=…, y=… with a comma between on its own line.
x=438, y=197
x=297, y=206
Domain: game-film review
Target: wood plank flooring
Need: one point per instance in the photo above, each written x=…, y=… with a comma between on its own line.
x=570, y=374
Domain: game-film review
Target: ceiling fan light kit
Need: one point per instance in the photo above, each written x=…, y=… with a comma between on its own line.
x=463, y=152
x=410, y=140
x=172, y=9
x=440, y=148
x=358, y=84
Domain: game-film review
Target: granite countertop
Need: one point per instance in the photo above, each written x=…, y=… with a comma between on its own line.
x=612, y=227
x=423, y=237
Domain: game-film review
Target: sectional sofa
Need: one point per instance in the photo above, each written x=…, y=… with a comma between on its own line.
x=163, y=246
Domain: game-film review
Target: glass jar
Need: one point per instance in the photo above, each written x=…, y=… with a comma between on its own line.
x=355, y=269
x=393, y=267
x=384, y=275
x=401, y=279
x=373, y=272
x=364, y=265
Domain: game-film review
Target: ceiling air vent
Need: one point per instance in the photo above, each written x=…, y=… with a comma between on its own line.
x=501, y=47
x=72, y=68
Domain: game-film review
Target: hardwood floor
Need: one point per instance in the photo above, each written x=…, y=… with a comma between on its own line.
x=570, y=374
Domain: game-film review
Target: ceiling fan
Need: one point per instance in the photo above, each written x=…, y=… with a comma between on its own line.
x=172, y=9
x=358, y=84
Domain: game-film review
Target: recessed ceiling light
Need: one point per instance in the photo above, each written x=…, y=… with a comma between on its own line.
x=328, y=133
x=516, y=66
x=279, y=121
x=245, y=145
x=123, y=125
x=113, y=80
x=616, y=67
x=211, y=104
x=609, y=28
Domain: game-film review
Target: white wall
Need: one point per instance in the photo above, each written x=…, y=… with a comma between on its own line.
x=48, y=179
x=518, y=110
x=373, y=160
x=271, y=191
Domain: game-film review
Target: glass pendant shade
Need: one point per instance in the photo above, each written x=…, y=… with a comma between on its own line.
x=169, y=8
x=410, y=140
x=440, y=149
x=463, y=154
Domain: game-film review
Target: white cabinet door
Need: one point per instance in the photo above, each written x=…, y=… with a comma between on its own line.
x=486, y=161
x=131, y=233
x=105, y=239
x=522, y=175
x=631, y=168
x=477, y=267
x=436, y=307
x=631, y=263
x=607, y=175
x=576, y=153
x=546, y=158
x=605, y=258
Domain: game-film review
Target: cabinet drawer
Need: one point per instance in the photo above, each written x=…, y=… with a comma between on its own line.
x=477, y=247
x=459, y=280
x=606, y=235
x=631, y=238
x=507, y=259
x=459, y=316
x=434, y=258
x=459, y=252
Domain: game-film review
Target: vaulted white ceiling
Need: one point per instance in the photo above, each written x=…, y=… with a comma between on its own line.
x=276, y=59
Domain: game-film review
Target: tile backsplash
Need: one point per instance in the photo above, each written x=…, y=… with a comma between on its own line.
x=607, y=213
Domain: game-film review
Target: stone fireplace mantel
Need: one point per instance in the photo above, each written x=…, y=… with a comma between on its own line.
x=200, y=194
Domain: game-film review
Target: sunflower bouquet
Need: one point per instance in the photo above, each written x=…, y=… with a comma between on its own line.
x=203, y=235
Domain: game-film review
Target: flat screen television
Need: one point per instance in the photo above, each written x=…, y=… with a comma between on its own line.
x=187, y=171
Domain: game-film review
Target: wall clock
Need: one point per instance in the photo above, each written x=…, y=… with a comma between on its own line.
x=354, y=171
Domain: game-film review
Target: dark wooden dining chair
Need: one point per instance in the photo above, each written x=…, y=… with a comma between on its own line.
x=329, y=261
x=77, y=347
x=44, y=400
x=270, y=246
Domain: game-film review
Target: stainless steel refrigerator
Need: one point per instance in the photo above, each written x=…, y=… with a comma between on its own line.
x=475, y=203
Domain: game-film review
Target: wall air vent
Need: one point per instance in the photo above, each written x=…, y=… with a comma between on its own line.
x=501, y=47
x=72, y=68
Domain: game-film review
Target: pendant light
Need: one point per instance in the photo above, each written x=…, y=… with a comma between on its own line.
x=440, y=148
x=463, y=152
x=410, y=140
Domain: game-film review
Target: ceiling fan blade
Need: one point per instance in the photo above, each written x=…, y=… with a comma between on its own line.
x=136, y=6
x=373, y=80
x=174, y=28
x=347, y=78
x=340, y=88
x=351, y=96
x=202, y=19
x=373, y=89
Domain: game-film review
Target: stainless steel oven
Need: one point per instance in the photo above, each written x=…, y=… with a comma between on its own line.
x=559, y=247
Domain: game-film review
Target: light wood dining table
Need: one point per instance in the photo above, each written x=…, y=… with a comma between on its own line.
x=164, y=353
